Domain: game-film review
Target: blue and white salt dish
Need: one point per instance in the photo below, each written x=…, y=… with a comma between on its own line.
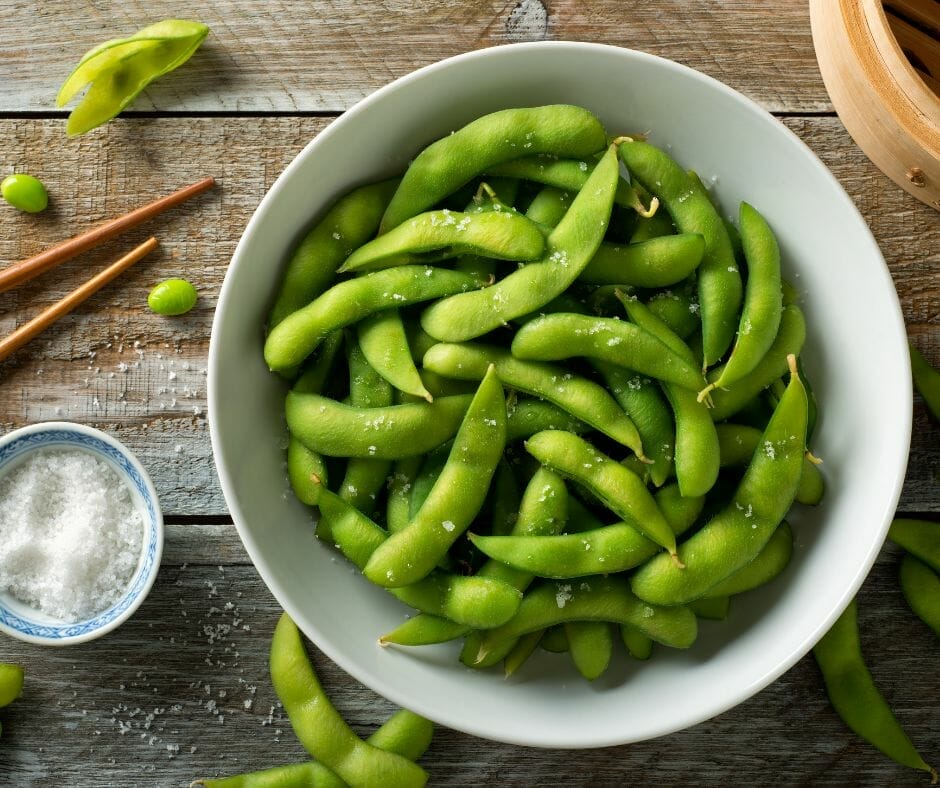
x=21, y=620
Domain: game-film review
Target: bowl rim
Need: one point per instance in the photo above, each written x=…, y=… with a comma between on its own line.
x=146, y=573
x=902, y=419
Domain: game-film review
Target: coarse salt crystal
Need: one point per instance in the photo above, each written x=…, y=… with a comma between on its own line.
x=70, y=534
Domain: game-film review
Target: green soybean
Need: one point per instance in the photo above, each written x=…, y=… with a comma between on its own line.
x=767, y=564
x=397, y=505
x=446, y=165
x=921, y=538
x=594, y=599
x=438, y=235
x=719, y=280
x=569, y=248
x=639, y=645
x=921, y=587
x=549, y=207
x=303, y=466
x=854, y=695
x=678, y=308
x=384, y=343
x=172, y=297
x=926, y=381
x=348, y=224
x=338, y=430
x=319, y=727
x=527, y=416
x=736, y=535
x=559, y=336
x=25, y=192
x=620, y=489
x=582, y=398
x=520, y=652
x=713, y=608
x=456, y=498
x=591, y=644
x=657, y=262
x=655, y=226
x=295, y=337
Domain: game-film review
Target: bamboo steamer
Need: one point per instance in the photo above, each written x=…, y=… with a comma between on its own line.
x=889, y=107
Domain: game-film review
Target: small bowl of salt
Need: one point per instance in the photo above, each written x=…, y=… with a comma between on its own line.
x=81, y=533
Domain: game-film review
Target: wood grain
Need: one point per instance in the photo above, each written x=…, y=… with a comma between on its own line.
x=114, y=364
x=162, y=701
x=323, y=55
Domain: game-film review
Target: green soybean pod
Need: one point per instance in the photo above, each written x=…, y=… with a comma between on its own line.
x=620, y=489
x=506, y=498
x=11, y=682
x=397, y=505
x=655, y=226
x=319, y=727
x=737, y=444
x=591, y=645
x=456, y=498
x=789, y=341
x=527, y=416
x=559, y=336
x=643, y=401
x=303, y=466
x=299, y=334
x=594, y=599
x=736, y=535
x=439, y=235
x=719, y=280
x=763, y=300
x=926, y=381
x=678, y=308
x=854, y=695
x=921, y=538
x=446, y=165
x=424, y=629
x=349, y=223
x=639, y=646
x=384, y=343
x=554, y=639
x=520, y=652
x=569, y=248
x=921, y=588
x=428, y=473
x=767, y=564
x=582, y=398
x=713, y=608
x=549, y=207
x=657, y=262
x=337, y=430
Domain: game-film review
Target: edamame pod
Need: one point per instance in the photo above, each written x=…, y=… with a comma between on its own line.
x=739, y=532
x=655, y=226
x=657, y=262
x=926, y=381
x=570, y=247
x=472, y=601
x=295, y=337
x=457, y=495
x=337, y=430
x=528, y=416
x=789, y=341
x=319, y=727
x=921, y=588
x=352, y=221
x=639, y=646
x=565, y=335
x=397, y=514
x=446, y=165
x=605, y=549
x=594, y=599
x=385, y=345
x=549, y=207
x=719, y=281
x=713, y=608
x=619, y=488
x=763, y=300
x=591, y=645
x=737, y=444
x=921, y=538
x=11, y=682
x=303, y=466
x=582, y=398
x=855, y=697
x=438, y=235
x=521, y=651
x=768, y=563
x=678, y=308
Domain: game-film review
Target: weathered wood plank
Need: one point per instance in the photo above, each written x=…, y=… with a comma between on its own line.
x=152, y=395
x=182, y=690
x=276, y=55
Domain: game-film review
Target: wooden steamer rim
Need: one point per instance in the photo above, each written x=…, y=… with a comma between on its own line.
x=890, y=112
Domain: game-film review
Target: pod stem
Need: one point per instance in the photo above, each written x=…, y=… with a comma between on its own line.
x=813, y=458
x=703, y=395
x=676, y=560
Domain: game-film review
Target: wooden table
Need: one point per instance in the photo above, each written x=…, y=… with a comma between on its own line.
x=182, y=690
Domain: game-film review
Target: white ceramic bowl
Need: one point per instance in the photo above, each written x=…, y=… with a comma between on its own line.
x=856, y=356
x=34, y=626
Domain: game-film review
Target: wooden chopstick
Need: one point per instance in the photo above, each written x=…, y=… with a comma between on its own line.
x=25, y=270
x=47, y=317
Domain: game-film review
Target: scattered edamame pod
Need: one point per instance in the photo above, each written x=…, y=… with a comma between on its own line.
x=921, y=538
x=921, y=588
x=120, y=69
x=24, y=192
x=926, y=381
x=323, y=733
x=11, y=682
x=172, y=297
x=856, y=698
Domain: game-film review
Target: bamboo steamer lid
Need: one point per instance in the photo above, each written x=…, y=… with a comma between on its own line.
x=889, y=107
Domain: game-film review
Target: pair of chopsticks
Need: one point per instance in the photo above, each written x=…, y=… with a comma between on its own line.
x=25, y=270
